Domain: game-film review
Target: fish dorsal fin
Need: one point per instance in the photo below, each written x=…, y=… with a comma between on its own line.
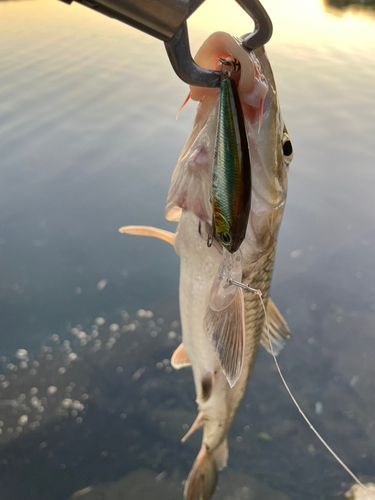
x=226, y=331
x=279, y=330
x=179, y=358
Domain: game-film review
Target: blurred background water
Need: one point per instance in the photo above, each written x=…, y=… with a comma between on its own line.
x=88, y=143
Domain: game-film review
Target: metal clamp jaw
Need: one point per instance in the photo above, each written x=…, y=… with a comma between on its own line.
x=166, y=20
x=178, y=48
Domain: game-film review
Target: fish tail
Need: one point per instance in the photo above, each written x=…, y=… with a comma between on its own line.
x=202, y=480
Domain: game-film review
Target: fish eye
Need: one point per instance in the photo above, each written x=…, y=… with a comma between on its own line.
x=287, y=148
x=226, y=238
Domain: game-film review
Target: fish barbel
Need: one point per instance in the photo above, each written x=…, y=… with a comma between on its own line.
x=239, y=328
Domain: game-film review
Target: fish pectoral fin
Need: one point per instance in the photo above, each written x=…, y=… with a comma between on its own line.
x=202, y=480
x=179, y=358
x=149, y=231
x=279, y=330
x=226, y=331
x=198, y=422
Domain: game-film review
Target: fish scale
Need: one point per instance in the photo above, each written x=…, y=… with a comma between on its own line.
x=258, y=275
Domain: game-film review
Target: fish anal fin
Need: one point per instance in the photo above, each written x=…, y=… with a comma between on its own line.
x=221, y=455
x=198, y=422
x=226, y=331
x=149, y=231
x=179, y=358
x=202, y=480
x=279, y=330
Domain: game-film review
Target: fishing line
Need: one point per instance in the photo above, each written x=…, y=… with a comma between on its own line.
x=259, y=293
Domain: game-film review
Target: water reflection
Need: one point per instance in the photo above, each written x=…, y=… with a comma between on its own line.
x=354, y=6
x=343, y=8
x=88, y=144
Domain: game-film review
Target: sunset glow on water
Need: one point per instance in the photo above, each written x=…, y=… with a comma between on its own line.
x=89, y=141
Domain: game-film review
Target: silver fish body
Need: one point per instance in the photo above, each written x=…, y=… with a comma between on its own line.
x=218, y=411
x=199, y=263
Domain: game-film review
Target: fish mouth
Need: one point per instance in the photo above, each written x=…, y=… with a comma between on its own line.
x=251, y=84
x=191, y=182
x=257, y=98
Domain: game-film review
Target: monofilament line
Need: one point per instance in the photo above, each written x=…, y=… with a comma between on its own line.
x=259, y=293
x=303, y=415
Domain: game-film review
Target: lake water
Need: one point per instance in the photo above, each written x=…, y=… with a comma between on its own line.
x=88, y=142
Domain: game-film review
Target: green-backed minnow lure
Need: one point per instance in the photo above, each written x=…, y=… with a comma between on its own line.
x=231, y=174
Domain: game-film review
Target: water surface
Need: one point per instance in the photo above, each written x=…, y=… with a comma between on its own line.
x=89, y=141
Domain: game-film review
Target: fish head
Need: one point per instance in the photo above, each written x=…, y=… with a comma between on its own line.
x=268, y=140
x=269, y=143
x=271, y=153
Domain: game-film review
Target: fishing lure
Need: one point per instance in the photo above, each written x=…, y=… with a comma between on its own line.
x=231, y=173
x=231, y=188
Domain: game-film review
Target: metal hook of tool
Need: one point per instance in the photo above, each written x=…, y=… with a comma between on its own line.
x=263, y=24
x=166, y=20
x=180, y=56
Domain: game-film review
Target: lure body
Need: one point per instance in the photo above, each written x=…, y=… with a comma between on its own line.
x=231, y=174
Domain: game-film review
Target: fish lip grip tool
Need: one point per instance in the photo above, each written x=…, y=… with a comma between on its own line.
x=166, y=20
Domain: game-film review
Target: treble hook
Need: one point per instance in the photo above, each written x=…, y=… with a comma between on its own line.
x=234, y=65
x=209, y=238
x=208, y=235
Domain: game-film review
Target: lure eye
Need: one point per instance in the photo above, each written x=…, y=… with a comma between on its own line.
x=287, y=148
x=226, y=238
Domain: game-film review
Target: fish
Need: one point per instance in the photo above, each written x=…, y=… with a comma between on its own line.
x=215, y=343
